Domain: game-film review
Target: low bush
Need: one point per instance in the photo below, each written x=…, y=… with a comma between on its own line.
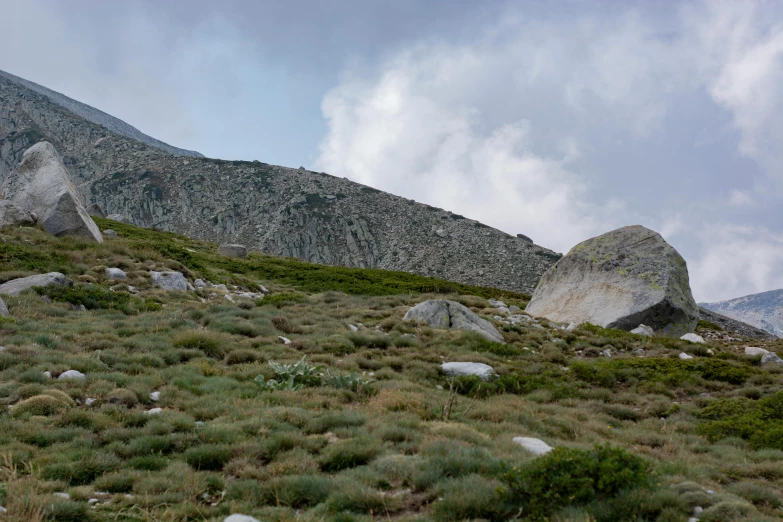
x=349, y=454
x=210, y=343
x=39, y=405
x=95, y=297
x=211, y=457
x=759, y=422
x=568, y=476
x=296, y=491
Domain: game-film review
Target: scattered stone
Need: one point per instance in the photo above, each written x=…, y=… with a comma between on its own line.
x=263, y=289
x=497, y=304
x=220, y=287
x=607, y=353
x=133, y=289
x=697, y=510
x=457, y=369
x=693, y=338
x=3, y=510
x=92, y=501
x=684, y=356
x=441, y=233
x=89, y=401
x=95, y=210
x=154, y=411
x=41, y=185
x=199, y=283
x=232, y=250
x=771, y=358
x=4, y=312
x=618, y=280
x=17, y=286
x=638, y=351
x=240, y=518
x=71, y=374
x=12, y=215
x=66, y=496
x=155, y=396
x=116, y=273
x=118, y=217
x=170, y=280
x=571, y=327
x=440, y=313
x=284, y=340
x=353, y=328
x=643, y=329
x=47, y=374
x=534, y=446
x=109, y=233
x=693, y=519
x=191, y=287
x=753, y=351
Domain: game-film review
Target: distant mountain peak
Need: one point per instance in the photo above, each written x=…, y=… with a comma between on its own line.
x=763, y=310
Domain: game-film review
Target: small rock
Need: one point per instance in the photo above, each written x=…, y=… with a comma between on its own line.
x=66, y=496
x=116, y=273
x=684, y=356
x=710, y=492
x=497, y=304
x=240, y=518
x=199, y=283
x=607, y=353
x=753, y=351
x=693, y=519
x=697, y=510
x=571, y=327
x=692, y=337
x=4, y=309
x=643, y=329
x=154, y=411
x=534, y=446
x=109, y=233
x=118, y=217
x=439, y=387
x=133, y=290
x=484, y=371
x=191, y=287
x=771, y=358
x=155, y=396
x=284, y=340
x=263, y=289
x=71, y=374
x=638, y=351
x=3, y=510
x=441, y=233
x=47, y=374
x=92, y=501
x=170, y=280
x=89, y=401
x=232, y=250
x=221, y=287
x=353, y=328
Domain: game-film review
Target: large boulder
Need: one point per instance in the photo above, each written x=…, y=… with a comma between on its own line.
x=440, y=313
x=41, y=185
x=232, y=250
x=12, y=214
x=170, y=280
x=619, y=280
x=17, y=286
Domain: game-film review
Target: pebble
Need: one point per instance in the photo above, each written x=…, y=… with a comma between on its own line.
x=684, y=356
x=66, y=496
x=155, y=396
x=353, y=328
x=89, y=401
x=154, y=411
x=284, y=340
x=47, y=374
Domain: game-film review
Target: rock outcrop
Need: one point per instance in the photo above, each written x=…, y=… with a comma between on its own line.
x=459, y=369
x=170, y=280
x=17, y=286
x=619, y=280
x=441, y=313
x=42, y=186
x=12, y=215
x=271, y=209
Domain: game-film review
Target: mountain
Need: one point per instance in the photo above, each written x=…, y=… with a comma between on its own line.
x=276, y=210
x=764, y=310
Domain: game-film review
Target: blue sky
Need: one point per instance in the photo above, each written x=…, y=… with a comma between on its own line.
x=557, y=120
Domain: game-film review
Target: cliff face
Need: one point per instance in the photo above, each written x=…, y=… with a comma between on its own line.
x=277, y=210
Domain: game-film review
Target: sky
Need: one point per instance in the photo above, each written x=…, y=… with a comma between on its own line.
x=558, y=120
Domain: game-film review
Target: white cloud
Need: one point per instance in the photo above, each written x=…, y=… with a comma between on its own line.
x=740, y=198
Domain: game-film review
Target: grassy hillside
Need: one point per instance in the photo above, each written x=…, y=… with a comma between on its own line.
x=366, y=427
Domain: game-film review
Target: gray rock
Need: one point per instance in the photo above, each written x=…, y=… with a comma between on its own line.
x=118, y=217
x=524, y=237
x=457, y=369
x=155, y=396
x=12, y=215
x=42, y=186
x=89, y=401
x=753, y=351
x=353, y=328
x=684, y=356
x=771, y=358
x=4, y=309
x=263, y=289
x=571, y=327
x=693, y=338
x=116, y=273
x=199, y=283
x=440, y=313
x=109, y=233
x=65, y=496
x=441, y=233
x=17, y=286
x=71, y=374
x=170, y=280
x=619, y=280
x=638, y=351
x=232, y=250
x=154, y=411
x=47, y=374
x=240, y=518
x=643, y=329
x=95, y=210
x=534, y=446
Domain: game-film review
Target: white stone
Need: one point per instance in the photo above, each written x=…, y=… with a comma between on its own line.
x=534, y=446
x=571, y=327
x=116, y=273
x=170, y=280
x=638, y=351
x=692, y=337
x=753, y=351
x=109, y=233
x=154, y=411
x=47, y=374
x=240, y=518
x=353, y=328
x=284, y=340
x=643, y=329
x=607, y=353
x=89, y=401
x=456, y=369
x=92, y=501
x=3, y=510
x=684, y=356
x=66, y=496
x=17, y=286
x=71, y=374
x=697, y=510
x=263, y=289
x=199, y=283
x=155, y=396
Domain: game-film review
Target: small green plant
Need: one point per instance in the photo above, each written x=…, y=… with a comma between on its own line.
x=350, y=381
x=291, y=376
x=568, y=476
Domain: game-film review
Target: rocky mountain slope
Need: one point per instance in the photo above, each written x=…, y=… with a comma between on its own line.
x=277, y=210
x=764, y=310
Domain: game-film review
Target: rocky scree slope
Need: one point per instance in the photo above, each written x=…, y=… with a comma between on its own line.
x=277, y=210
x=764, y=310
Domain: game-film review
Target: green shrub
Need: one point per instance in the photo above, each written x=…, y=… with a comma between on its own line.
x=93, y=297
x=759, y=422
x=39, y=405
x=296, y=491
x=280, y=300
x=468, y=498
x=83, y=468
x=116, y=483
x=361, y=340
x=670, y=372
x=520, y=382
x=567, y=476
x=349, y=454
x=208, y=342
x=66, y=511
x=209, y=457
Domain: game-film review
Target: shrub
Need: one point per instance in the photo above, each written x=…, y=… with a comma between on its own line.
x=282, y=324
x=210, y=457
x=122, y=396
x=116, y=483
x=567, y=476
x=296, y=491
x=242, y=356
x=670, y=372
x=39, y=405
x=93, y=297
x=468, y=498
x=348, y=454
x=208, y=342
x=280, y=300
x=759, y=422
x=83, y=468
x=361, y=340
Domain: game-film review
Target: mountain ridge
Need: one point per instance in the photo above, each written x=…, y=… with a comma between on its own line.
x=763, y=310
x=277, y=210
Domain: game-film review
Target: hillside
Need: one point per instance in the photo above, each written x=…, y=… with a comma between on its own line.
x=764, y=310
x=280, y=211
x=173, y=422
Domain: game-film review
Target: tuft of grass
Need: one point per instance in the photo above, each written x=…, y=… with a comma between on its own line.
x=208, y=342
x=349, y=454
x=210, y=457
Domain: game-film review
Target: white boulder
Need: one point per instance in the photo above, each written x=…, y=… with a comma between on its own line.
x=170, y=280
x=116, y=273
x=71, y=374
x=240, y=518
x=684, y=356
x=643, y=329
x=458, y=369
x=534, y=446
x=17, y=286
x=693, y=338
x=12, y=215
x=754, y=351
